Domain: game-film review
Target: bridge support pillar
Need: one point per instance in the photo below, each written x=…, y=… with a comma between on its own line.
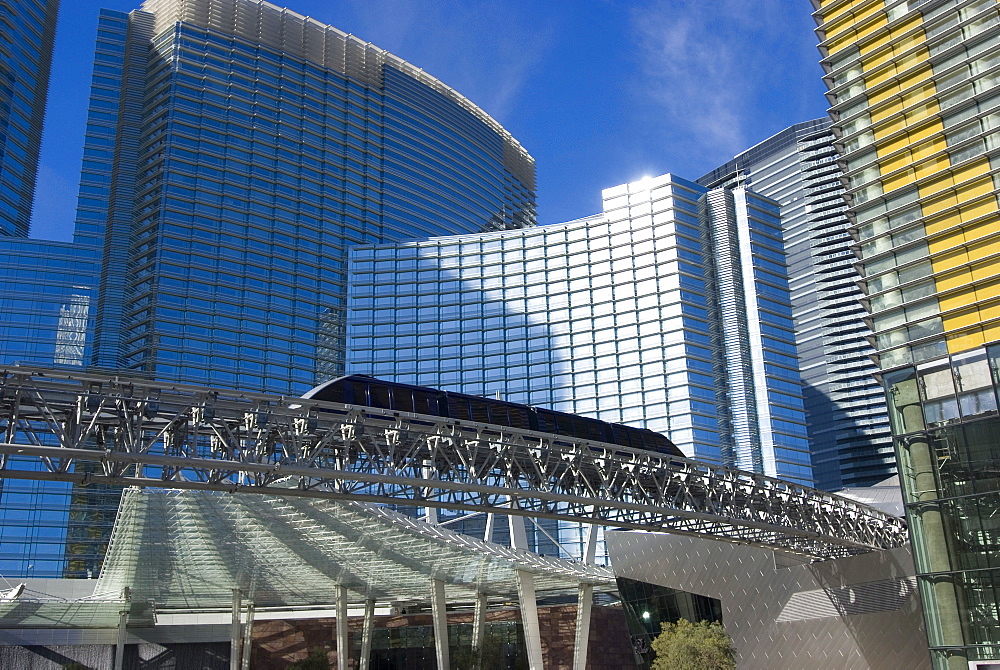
x=529, y=618
x=343, y=650
x=584, y=601
x=440, y=620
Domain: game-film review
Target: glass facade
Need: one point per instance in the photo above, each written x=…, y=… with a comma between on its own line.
x=614, y=316
x=845, y=404
x=47, y=296
x=915, y=89
x=225, y=223
x=412, y=647
x=945, y=417
x=27, y=33
x=233, y=152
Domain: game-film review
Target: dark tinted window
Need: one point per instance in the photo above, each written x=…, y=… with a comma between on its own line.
x=498, y=414
x=519, y=417
x=625, y=437
x=458, y=408
x=402, y=399
x=333, y=393
x=546, y=420
x=480, y=410
x=425, y=403
x=358, y=393
x=378, y=396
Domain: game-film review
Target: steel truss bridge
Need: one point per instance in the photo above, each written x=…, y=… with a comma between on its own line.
x=90, y=429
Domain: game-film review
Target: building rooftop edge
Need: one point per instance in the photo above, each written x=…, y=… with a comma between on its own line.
x=785, y=137
x=157, y=7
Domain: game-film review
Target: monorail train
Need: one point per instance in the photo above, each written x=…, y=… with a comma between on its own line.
x=372, y=392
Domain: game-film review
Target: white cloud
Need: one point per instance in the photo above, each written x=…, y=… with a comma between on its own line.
x=707, y=65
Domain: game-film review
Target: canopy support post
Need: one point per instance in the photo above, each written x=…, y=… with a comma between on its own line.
x=342, y=650
x=590, y=551
x=235, y=631
x=584, y=602
x=479, y=621
x=122, y=620
x=440, y=619
x=491, y=523
x=366, y=634
x=247, y=638
x=529, y=618
x=518, y=535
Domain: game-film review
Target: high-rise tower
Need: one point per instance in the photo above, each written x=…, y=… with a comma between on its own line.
x=915, y=88
x=234, y=151
x=27, y=34
x=669, y=311
x=269, y=143
x=845, y=404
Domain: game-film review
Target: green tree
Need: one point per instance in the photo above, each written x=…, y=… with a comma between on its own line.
x=693, y=646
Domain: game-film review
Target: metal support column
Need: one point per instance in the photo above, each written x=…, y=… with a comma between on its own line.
x=235, y=631
x=342, y=650
x=247, y=638
x=366, y=634
x=529, y=618
x=440, y=619
x=933, y=523
x=584, y=602
x=122, y=621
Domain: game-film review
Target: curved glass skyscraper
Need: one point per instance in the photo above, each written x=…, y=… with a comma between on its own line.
x=235, y=150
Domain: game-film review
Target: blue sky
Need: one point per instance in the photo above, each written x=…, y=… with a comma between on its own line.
x=600, y=92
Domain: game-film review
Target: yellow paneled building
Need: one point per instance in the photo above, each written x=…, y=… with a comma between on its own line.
x=915, y=92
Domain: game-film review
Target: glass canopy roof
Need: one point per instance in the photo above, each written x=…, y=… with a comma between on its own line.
x=190, y=549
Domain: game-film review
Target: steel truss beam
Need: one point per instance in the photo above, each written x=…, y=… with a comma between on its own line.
x=111, y=430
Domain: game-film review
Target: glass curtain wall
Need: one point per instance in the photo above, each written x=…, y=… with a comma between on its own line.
x=27, y=33
x=944, y=415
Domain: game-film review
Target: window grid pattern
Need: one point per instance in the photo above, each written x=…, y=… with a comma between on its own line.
x=608, y=316
x=845, y=405
x=914, y=87
x=255, y=171
x=224, y=177
x=47, y=298
x=27, y=33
